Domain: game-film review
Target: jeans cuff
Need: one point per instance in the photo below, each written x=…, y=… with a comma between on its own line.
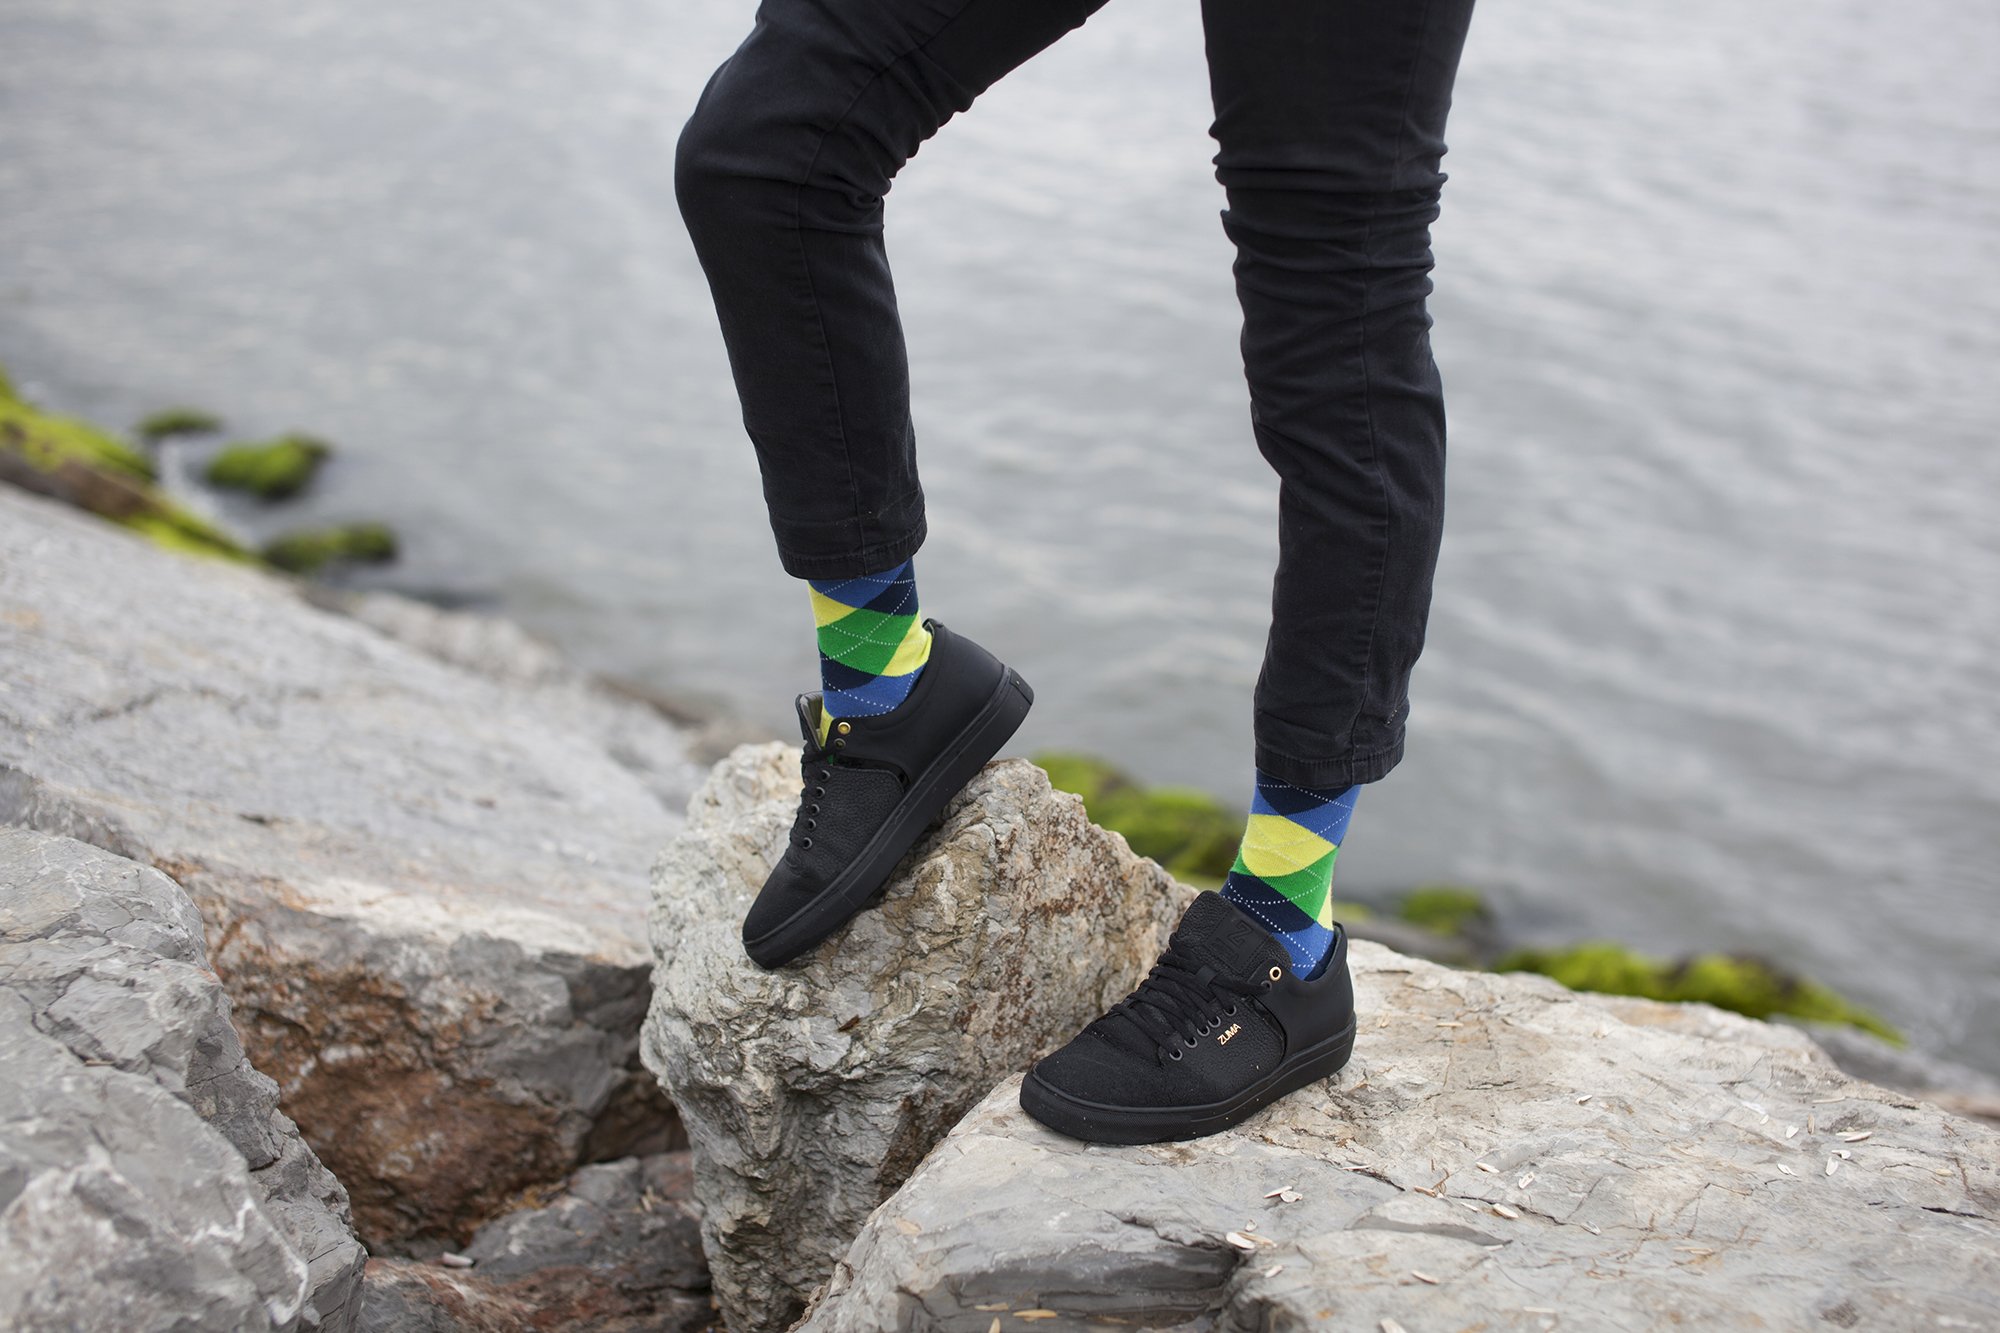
x=1340, y=772
x=853, y=561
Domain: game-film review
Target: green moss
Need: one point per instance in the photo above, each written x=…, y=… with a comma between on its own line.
x=1189, y=832
x=1597, y=965
x=46, y=441
x=178, y=530
x=93, y=470
x=1727, y=981
x=7, y=394
x=1086, y=775
x=1446, y=909
x=312, y=549
x=178, y=421
x=270, y=469
x=1186, y=830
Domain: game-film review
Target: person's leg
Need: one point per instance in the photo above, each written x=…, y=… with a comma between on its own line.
x=780, y=175
x=1330, y=117
x=1331, y=123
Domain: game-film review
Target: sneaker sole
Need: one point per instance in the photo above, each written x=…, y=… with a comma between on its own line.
x=867, y=876
x=1098, y=1123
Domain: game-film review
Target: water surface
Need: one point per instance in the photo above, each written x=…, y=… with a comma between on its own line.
x=1713, y=656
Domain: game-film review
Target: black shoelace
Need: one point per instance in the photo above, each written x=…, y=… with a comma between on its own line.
x=1181, y=1001
x=814, y=770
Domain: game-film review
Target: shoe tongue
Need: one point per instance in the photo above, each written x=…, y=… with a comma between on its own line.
x=1217, y=932
x=811, y=705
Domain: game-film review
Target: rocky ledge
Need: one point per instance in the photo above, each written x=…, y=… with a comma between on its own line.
x=1500, y=1153
x=419, y=845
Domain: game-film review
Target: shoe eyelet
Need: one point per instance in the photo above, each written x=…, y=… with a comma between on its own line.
x=826, y=773
x=838, y=743
x=1277, y=972
x=1174, y=1054
x=812, y=823
x=807, y=843
x=814, y=807
x=819, y=791
x=1230, y=1012
x=1191, y=1043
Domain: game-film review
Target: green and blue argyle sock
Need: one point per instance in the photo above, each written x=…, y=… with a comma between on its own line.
x=1283, y=876
x=872, y=642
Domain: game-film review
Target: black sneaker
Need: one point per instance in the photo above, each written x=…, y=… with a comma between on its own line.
x=876, y=786
x=1219, y=1030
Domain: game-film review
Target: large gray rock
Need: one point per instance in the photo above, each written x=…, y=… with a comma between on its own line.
x=147, y=1179
x=1501, y=1153
x=424, y=880
x=618, y=1250
x=811, y=1092
x=1956, y=1087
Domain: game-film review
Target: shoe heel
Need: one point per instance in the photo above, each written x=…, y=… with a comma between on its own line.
x=1330, y=1058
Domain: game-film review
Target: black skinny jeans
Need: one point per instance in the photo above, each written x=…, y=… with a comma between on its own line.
x=1330, y=115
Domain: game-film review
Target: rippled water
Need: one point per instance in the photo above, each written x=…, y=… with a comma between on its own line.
x=1713, y=656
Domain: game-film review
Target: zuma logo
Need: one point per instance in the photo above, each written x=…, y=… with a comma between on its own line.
x=1234, y=1028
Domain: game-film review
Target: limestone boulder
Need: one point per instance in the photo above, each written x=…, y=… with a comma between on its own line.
x=420, y=852
x=1500, y=1154
x=147, y=1179
x=811, y=1092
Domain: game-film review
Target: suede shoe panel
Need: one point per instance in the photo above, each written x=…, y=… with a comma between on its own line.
x=840, y=807
x=1095, y=1068
x=1220, y=1028
x=868, y=793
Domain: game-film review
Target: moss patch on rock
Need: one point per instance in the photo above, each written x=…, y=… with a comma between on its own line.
x=269, y=469
x=79, y=464
x=313, y=549
x=45, y=441
x=1445, y=909
x=1189, y=832
x=1737, y=982
x=177, y=421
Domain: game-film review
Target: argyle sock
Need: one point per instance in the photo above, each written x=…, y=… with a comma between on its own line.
x=1283, y=876
x=872, y=642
